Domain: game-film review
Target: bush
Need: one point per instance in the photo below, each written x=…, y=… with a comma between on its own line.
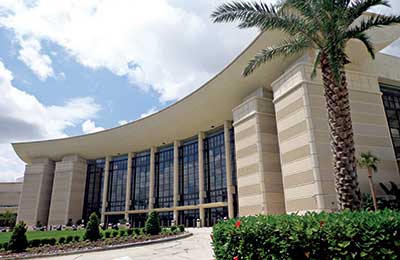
x=69, y=239
x=136, y=231
x=18, y=241
x=92, y=228
x=34, y=243
x=174, y=229
x=115, y=233
x=61, y=240
x=5, y=246
x=152, y=225
x=343, y=235
x=44, y=241
x=129, y=231
x=181, y=228
x=122, y=233
x=77, y=238
x=52, y=241
x=107, y=234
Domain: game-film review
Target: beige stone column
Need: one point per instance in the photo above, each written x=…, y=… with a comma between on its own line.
x=68, y=192
x=128, y=186
x=176, y=179
x=200, y=145
x=152, y=176
x=36, y=192
x=105, y=188
x=228, y=167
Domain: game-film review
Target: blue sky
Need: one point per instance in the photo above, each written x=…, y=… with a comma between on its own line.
x=70, y=67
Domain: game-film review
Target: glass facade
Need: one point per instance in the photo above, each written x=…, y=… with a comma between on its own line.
x=140, y=181
x=117, y=184
x=164, y=178
x=189, y=174
x=137, y=220
x=114, y=219
x=391, y=102
x=234, y=172
x=93, y=188
x=166, y=218
x=215, y=168
x=214, y=215
x=188, y=218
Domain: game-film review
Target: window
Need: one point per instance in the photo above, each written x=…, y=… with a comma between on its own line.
x=140, y=181
x=234, y=172
x=117, y=184
x=93, y=188
x=137, y=220
x=166, y=218
x=188, y=218
x=164, y=178
x=214, y=215
x=189, y=173
x=391, y=102
x=215, y=168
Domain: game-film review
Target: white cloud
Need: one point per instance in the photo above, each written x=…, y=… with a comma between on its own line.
x=23, y=118
x=89, y=126
x=122, y=122
x=170, y=46
x=39, y=63
x=149, y=112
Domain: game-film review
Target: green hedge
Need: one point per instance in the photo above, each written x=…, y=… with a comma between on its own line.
x=344, y=235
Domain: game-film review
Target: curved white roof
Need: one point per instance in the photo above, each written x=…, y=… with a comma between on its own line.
x=208, y=106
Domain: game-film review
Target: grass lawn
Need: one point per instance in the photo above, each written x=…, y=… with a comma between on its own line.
x=5, y=236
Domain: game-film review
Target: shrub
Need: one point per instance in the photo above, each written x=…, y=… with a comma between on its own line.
x=152, y=225
x=181, y=228
x=115, y=233
x=18, y=241
x=129, y=231
x=69, y=239
x=61, y=240
x=136, y=231
x=44, y=241
x=34, y=243
x=69, y=222
x=174, y=229
x=343, y=235
x=77, y=238
x=122, y=233
x=52, y=241
x=5, y=246
x=92, y=228
x=107, y=234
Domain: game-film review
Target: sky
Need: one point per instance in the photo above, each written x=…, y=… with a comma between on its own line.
x=71, y=67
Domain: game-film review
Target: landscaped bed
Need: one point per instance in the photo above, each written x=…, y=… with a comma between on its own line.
x=19, y=246
x=5, y=236
x=86, y=245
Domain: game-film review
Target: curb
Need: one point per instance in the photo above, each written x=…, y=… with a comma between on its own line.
x=143, y=243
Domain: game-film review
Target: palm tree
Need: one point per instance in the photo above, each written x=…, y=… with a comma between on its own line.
x=325, y=26
x=369, y=161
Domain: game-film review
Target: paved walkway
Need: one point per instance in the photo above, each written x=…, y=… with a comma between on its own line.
x=195, y=247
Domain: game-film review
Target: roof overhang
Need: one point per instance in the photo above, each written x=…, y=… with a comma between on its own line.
x=208, y=106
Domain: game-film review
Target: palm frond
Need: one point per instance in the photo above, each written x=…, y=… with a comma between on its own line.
x=363, y=37
x=317, y=61
x=261, y=16
x=377, y=20
x=285, y=48
x=358, y=7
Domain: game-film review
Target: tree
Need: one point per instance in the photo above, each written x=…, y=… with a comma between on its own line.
x=92, y=232
x=152, y=225
x=324, y=26
x=369, y=161
x=18, y=241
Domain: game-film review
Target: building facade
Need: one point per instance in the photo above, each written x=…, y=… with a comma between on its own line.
x=236, y=146
x=10, y=193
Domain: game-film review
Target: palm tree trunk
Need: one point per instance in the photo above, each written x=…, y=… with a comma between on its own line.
x=372, y=187
x=341, y=137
